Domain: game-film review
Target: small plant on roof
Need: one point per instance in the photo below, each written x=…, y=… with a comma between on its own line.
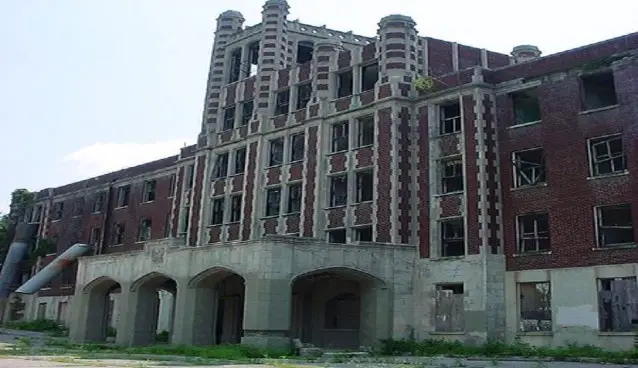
x=424, y=84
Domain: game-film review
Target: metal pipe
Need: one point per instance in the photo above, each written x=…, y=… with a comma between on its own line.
x=64, y=260
x=15, y=255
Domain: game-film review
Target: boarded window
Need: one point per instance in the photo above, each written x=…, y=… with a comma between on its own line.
x=618, y=304
x=535, y=306
x=449, y=308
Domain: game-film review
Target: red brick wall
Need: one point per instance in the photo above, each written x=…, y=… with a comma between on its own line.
x=248, y=193
x=471, y=185
x=311, y=175
x=423, y=220
x=200, y=169
x=384, y=175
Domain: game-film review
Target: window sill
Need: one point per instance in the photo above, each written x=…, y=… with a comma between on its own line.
x=447, y=333
x=66, y=287
x=362, y=202
x=56, y=220
x=117, y=245
x=214, y=179
x=457, y=192
x=616, y=246
x=337, y=152
x=76, y=216
x=226, y=130
x=50, y=254
x=542, y=253
x=46, y=288
x=213, y=225
x=337, y=98
x=147, y=202
x=535, y=333
x=235, y=175
x=274, y=166
x=442, y=135
x=292, y=213
x=524, y=124
x=278, y=115
x=119, y=208
x=592, y=111
x=612, y=333
x=523, y=187
x=336, y=207
x=269, y=217
x=606, y=176
x=233, y=223
x=447, y=258
x=295, y=161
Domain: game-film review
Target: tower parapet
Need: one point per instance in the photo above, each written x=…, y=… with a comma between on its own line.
x=397, y=49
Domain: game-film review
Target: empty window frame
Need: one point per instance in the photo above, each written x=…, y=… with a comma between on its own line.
x=276, y=154
x=221, y=166
x=235, y=208
x=246, y=112
x=253, y=59
x=240, y=161
x=78, y=206
x=282, y=104
x=337, y=236
x=365, y=184
x=217, y=211
x=449, y=308
x=450, y=118
x=58, y=210
x=297, y=146
x=235, y=65
x=598, y=91
x=452, y=175
x=148, y=191
x=294, y=198
x=304, y=51
x=98, y=202
x=123, y=194
x=607, y=155
x=526, y=106
x=452, y=238
x=190, y=175
x=273, y=201
x=344, y=84
x=95, y=236
x=340, y=136
x=535, y=306
x=338, y=190
x=145, y=230
x=119, y=232
x=618, y=304
x=229, y=118
x=365, y=131
x=304, y=91
x=363, y=234
x=533, y=233
x=369, y=76
x=614, y=225
x=529, y=168
x=172, y=182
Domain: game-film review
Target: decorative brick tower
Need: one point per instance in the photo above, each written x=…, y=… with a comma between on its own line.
x=397, y=50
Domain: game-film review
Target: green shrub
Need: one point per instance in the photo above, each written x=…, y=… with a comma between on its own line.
x=38, y=325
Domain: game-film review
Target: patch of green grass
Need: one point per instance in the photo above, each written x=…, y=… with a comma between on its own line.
x=38, y=325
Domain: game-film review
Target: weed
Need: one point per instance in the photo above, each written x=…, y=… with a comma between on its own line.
x=38, y=325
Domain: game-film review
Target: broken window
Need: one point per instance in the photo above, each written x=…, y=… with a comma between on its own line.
x=217, y=213
x=273, y=200
x=98, y=202
x=526, y=106
x=615, y=225
x=294, y=198
x=297, y=145
x=363, y=234
x=240, y=161
x=533, y=233
x=283, y=102
x=344, y=84
x=78, y=206
x=149, y=191
x=365, y=183
x=235, y=65
x=607, y=155
x=452, y=176
x=452, y=238
x=276, y=156
x=337, y=236
x=304, y=51
x=167, y=226
x=172, y=181
x=343, y=312
x=253, y=59
x=340, y=136
x=221, y=166
x=246, y=112
x=58, y=210
x=190, y=176
x=185, y=221
x=229, y=118
x=369, y=76
x=450, y=118
x=303, y=95
x=145, y=230
x=95, y=236
x=529, y=168
x=598, y=91
x=119, y=231
x=123, y=194
x=535, y=306
x=365, y=130
x=449, y=308
x=235, y=208
x=338, y=190
x=618, y=304
x=37, y=214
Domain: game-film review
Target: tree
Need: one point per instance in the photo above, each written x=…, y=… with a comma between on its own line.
x=21, y=201
x=5, y=240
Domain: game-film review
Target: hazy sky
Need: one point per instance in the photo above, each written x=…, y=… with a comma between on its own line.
x=90, y=86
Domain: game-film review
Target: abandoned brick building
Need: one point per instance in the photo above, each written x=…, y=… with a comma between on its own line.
x=346, y=189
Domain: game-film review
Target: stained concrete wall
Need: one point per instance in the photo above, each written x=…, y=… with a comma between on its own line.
x=53, y=304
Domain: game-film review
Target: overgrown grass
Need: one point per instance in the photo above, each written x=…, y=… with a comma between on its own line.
x=38, y=325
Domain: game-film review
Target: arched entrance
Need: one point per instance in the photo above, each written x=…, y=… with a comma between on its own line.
x=219, y=307
x=154, y=309
x=338, y=308
x=103, y=307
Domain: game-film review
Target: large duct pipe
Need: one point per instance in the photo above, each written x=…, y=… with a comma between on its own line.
x=40, y=279
x=15, y=255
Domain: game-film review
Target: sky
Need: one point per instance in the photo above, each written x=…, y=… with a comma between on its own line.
x=89, y=86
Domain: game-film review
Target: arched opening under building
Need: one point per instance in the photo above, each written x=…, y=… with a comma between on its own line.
x=103, y=310
x=219, y=307
x=339, y=308
x=154, y=310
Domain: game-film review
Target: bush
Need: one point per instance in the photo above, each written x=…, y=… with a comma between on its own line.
x=38, y=325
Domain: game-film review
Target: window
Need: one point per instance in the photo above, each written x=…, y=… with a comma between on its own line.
x=338, y=190
x=235, y=208
x=369, y=77
x=273, y=199
x=63, y=308
x=304, y=51
x=294, y=198
x=185, y=221
x=240, y=161
x=190, y=177
x=221, y=166
x=365, y=131
x=145, y=230
x=363, y=234
x=167, y=226
x=449, y=305
x=235, y=65
x=614, y=225
x=598, y=91
x=95, y=236
x=365, y=180
x=78, y=206
x=171, y=185
x=282, y=103
x=123, y=194
x=58, y=210
x=452, y=238
x=450, y=118
x=533, y=233
x=253, y=58
x=42, y=311
x=119, y=231
x=618, y=306
x=297, y=146
x=36, y=214
x=529, y=168
x=276, y=156
x=217, y=215
x=229, y=118
x=149, y=191
x=535, y=306
x=98, y=202
x=452, y=176
x=340, y=136
x=526, y=107
x=344, y=84
x=337, y=236
x=607, y=155
x=304, y=92
x=246, y=112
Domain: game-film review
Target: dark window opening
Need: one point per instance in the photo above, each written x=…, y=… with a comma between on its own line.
x=229, y=118
x=118, y=233
x=304, y=51
x=294, y=198
x=145, y=230
x=618, y=310
x=344, y=84
x=297, y=147
x=599, y=91
x=172, y=182
x=98, y=202
x=452, y=176
x=337, y=236
x=217, y=214
x=221, y=166
x=276, y=156
x=282, y=104
x=535, y=306
x=185, y=221
x=526, y=107
x=304, y=91
x=235, y=65
x=340, y=137
x=58, y=210
x=450, y=118
x=78, y=207
x=246, y=112
x=123, y=194
x=453, y=238
x=338, y=190
x=240, y=161
x=615, y=225
x=190, y=176
x=235, y=208
x=365, y=131
x=529, y=168
x=95, y=236
x=365, y=183
x=253, y=59
x=533, y=233
x=607, y=155
x=149, y=191
x=369, y=77
x=273, y=200
x=363, y=234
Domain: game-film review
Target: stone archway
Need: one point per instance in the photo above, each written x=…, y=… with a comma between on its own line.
x=153, y=309
x=339, y=308
x=102, y=309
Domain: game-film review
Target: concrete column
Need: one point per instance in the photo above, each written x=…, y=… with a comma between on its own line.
x=267, y=312
x=196, y=311
x=138, y=317
x=376, y=314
